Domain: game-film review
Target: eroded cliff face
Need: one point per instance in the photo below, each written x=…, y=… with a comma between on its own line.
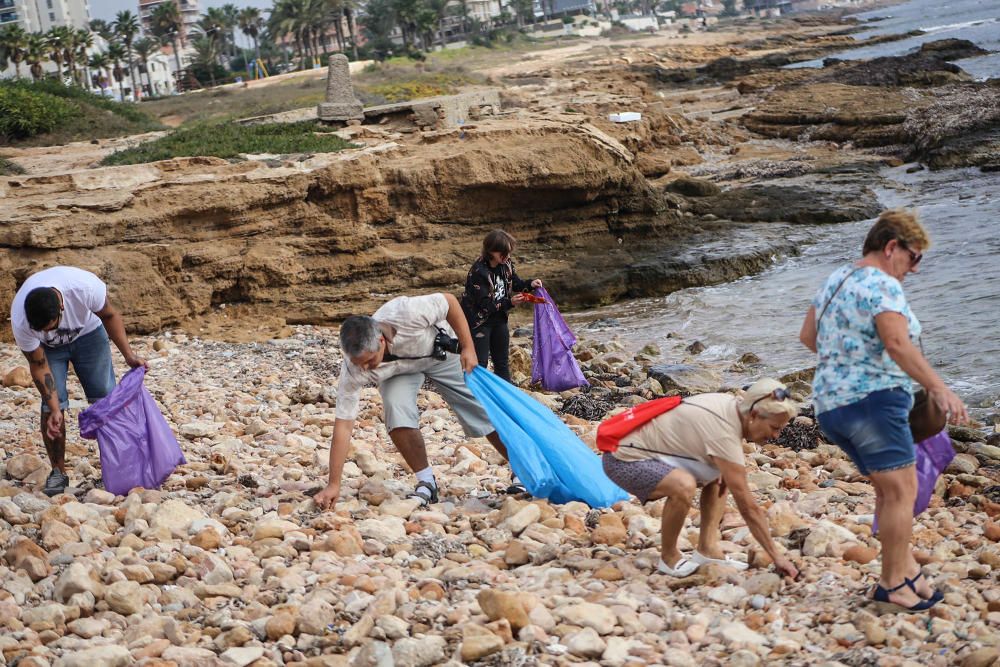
x=318, y=239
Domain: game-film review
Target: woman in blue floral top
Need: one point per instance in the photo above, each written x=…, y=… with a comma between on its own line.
x=865, y=333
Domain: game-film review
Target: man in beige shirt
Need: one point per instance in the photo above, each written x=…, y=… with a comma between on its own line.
x=395, y=349
x=700, y=443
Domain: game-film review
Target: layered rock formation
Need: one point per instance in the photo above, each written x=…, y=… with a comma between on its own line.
x=316, y=239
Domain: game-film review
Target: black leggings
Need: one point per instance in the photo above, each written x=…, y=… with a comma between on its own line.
x=492, y=339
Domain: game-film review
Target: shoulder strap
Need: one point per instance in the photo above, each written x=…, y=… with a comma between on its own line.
x=389, y=356
x=827, y=304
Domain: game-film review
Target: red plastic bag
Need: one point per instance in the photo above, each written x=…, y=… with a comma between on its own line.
x=611, y=431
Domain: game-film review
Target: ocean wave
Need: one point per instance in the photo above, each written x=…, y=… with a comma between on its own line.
x=957, y=26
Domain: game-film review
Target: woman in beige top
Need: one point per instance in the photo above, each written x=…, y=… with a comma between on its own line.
x=700, y=443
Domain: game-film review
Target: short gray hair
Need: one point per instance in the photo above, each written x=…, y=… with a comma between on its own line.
x=359, y=334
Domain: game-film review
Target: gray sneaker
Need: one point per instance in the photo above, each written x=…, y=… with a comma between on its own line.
x=55, y=483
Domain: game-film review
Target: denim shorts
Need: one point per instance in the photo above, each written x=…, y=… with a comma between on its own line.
x=875, y=431
x=90, y=355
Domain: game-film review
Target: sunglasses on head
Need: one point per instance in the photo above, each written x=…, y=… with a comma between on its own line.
x=779, y=394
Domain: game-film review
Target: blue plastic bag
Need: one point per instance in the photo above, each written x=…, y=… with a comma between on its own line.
x=545, y=454
x=552, y=360
x=136, y=444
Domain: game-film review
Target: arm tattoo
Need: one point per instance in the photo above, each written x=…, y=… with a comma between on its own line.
x=50, y=386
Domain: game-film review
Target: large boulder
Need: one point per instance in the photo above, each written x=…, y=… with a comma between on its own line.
x=685, y=379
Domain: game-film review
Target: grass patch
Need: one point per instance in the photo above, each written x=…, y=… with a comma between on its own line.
x=8, y=168
x=231, y=141
x=402, y=82
x=46, y=113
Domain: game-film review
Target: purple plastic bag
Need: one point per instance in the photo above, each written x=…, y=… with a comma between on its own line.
x=933, y=456
x=136, y=444
x=552, y=360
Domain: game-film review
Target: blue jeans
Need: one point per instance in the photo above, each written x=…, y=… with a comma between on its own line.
x=90, y=355
x=875, y=431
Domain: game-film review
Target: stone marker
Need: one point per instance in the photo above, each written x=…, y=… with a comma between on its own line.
x=340, y=104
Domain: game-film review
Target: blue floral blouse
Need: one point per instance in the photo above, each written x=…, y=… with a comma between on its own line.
x=853, y=361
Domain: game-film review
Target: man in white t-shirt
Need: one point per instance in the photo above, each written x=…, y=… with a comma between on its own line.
x=395, y=349
x=61, y=316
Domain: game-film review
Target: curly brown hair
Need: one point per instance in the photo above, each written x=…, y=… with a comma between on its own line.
x=899, y=224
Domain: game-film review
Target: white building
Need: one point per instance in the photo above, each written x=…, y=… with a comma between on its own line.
x=41, y=15
x=188, y=9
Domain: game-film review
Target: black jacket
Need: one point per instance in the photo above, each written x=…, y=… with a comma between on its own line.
x=478, y=300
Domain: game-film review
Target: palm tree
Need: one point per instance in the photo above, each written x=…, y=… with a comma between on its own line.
x=35, y=54
x=251, y=23
x=83, y=42
x=117, y=53
x=284, y=21
x=102, y=28
x=15, y=44
x=206, y=54
x=126, y=26
x=212, y=26
x=231, y=20
x=57, y=39
x=100, y=61
x=144, y=48
x=165, y=24
x=350, y=12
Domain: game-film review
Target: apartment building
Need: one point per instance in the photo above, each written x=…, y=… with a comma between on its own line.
x=40, y=15
x=188, y=8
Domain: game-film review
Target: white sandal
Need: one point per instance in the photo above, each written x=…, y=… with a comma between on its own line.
x=701, y=559
x=684, y=568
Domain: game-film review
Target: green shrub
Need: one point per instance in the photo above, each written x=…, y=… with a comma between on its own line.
x=47, y=112
x=231, y=141
x=25, y=113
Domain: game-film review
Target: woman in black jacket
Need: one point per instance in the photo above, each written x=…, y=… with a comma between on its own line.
x=493, y=288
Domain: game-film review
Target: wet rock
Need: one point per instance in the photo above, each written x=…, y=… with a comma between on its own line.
x=685, y=379
x=692, y=187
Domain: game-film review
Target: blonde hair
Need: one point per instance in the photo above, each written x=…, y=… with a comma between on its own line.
x=758, y=397
x=900, y=224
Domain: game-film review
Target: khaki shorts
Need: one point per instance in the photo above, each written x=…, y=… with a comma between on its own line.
x=399, y=398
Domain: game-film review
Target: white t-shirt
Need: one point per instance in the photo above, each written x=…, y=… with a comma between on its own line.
x=83, y=294
x=415, y=319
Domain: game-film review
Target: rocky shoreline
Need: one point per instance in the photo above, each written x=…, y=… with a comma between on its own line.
x=231, y=563
x=727, y=138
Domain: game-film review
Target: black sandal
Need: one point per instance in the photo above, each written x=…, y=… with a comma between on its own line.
x=885, y=605
x=515, y=487
x=425, y=500
x=937, y=595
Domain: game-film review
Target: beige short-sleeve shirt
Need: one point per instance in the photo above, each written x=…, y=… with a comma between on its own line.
x=700, y=427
